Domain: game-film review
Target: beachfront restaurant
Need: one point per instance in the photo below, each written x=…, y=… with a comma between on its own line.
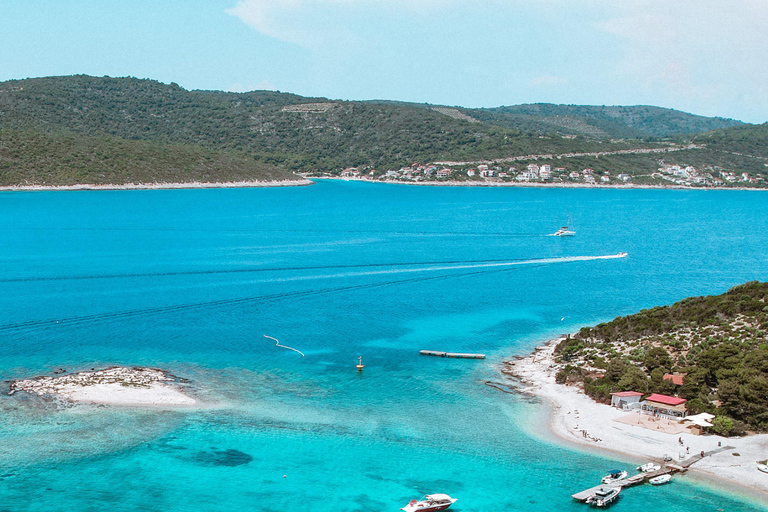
x=699, y=422
x=626, y=400
x=663, y=406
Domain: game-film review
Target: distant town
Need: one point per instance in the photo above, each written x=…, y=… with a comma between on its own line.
x=666, y=174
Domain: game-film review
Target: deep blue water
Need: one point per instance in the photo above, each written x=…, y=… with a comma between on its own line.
x=190, y=280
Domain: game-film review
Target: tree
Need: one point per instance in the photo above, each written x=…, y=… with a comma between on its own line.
x=657, y=357
x=722, y=425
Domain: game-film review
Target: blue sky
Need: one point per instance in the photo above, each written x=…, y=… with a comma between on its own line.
x=701, y=56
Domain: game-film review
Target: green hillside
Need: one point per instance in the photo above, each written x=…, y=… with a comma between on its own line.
x=719, y=343
x=295, y=132
x=599, y=121
x=67, y=158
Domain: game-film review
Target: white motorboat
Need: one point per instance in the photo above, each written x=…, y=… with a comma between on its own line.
x=648, y=468
x=430, y=503
x=604, y=496
x=763, y=468
x=564, y=231
x=660, y=480
x=614, y=475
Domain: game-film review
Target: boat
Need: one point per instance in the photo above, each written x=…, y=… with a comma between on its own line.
x=763, y=468
x=429, y=503
x=564, y=231
x=604, y=496
x=614, y=475
x=648, y=468
x=660, y=480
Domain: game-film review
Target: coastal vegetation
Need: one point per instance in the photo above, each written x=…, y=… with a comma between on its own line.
x=64, y=158
x=717, y=345
x=261, y=134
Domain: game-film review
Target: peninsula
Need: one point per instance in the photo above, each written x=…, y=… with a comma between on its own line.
x=631, y=385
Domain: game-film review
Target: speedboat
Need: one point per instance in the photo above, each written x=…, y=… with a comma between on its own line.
x=614, y=475
x=564, y=231
x=648, y=468
x=604, y=496
x=659, y=480
x=429, y=503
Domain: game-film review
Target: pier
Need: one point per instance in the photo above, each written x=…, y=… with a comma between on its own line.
x=666, y=469
x=458, y=355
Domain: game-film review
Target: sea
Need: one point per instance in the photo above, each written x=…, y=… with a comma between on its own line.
x=192, y=280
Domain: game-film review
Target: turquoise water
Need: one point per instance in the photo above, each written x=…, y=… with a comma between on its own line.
x=190, y=280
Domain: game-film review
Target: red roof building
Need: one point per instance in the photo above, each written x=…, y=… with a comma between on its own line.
x=664, y=406
x=676, y=378
x=625, y=399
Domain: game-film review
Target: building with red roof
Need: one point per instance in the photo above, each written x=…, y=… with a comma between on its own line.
x=625, y=399
x=665, y=406
x=676, y=378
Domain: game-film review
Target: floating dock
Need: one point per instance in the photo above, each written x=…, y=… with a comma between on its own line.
x=458, y=355
x=640, y=478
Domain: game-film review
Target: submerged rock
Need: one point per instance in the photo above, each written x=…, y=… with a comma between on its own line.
x=228, y=457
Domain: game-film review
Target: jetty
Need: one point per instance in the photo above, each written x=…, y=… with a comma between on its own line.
x=666, y=469
x=458, y=355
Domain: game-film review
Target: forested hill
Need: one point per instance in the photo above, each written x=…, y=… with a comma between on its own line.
x=718, y=343
x=290, y=133
x=601, y=121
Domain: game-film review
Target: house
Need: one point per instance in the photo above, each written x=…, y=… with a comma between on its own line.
x=471, y=172
x=545, y=172
x=575, y=174
x=605, y=179
x=626, y=399
x=676, y=378
x=443, y=173
x=624, y=177
x=670, y=407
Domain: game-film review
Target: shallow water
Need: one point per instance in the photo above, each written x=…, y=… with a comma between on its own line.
x=190, y=281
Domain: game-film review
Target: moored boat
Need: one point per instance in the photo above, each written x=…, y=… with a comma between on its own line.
x=762, y=467
x=614, y=475
x=604, y=496
x=648, y=468
x=660, y=480
x=430, y=503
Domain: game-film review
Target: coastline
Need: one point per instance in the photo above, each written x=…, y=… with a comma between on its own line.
x=577, y=419
x=622, y=186
x=158, y=186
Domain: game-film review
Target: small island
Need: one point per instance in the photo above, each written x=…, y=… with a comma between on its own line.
x=666, y=383
x=122, y=386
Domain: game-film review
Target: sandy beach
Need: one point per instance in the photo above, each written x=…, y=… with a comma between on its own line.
x=121, y=386
x=160, y=186
x=579, y=419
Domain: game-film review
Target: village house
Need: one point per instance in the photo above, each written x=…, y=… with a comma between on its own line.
x=471, y=172
x=575, y=175
x=605, y=179
x=626, y=400
x=624, y=177
x=545, y=172
x=670, y=407
x=443, y=173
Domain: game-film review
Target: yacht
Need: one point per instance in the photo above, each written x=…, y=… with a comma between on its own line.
x=605, y=496
x=564, y=231
x=614, y=475
x=429, y=503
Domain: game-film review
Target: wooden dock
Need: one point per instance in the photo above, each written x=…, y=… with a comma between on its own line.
x=458, y=355
x=666, y=469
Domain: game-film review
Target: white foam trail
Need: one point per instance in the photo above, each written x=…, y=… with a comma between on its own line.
x=436, y=268
x=284, y=346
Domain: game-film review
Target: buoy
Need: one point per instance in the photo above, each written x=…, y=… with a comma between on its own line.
x=285, y=476
x=360, y=364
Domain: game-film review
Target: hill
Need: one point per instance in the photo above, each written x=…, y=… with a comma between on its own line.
x=67, y=158
x=632, y=122
x=298, y=133
x=719, y=343
x=286, y=132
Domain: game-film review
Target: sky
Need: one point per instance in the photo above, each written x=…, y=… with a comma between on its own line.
x=706, y=57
